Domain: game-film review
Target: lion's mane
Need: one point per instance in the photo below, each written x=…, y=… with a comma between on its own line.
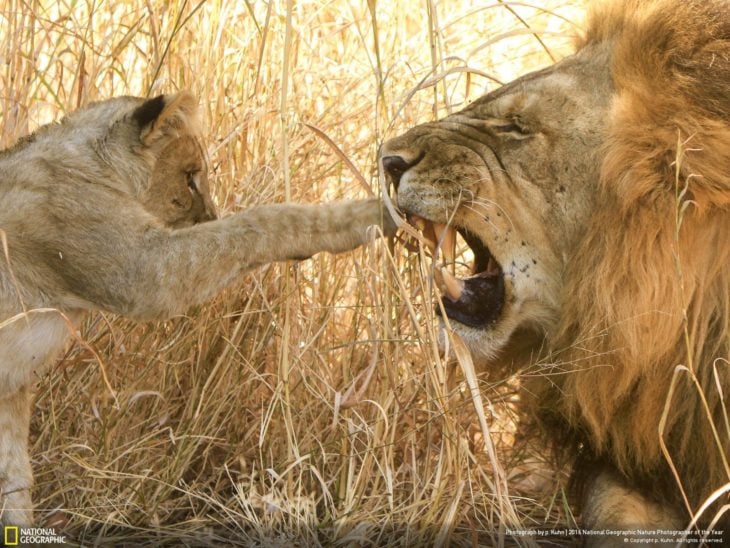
x=649, y=287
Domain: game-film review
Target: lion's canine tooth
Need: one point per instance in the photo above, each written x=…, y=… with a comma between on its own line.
x=430, y=236
x=446, y=237
x=492, y=266
x=439, y=278
x=452, y=286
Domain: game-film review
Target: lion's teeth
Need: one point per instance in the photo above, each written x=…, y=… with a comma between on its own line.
x=453, y=287
x=492, y=266
x=426, y=229
x=418, y=222
x=429, y=237
x=439, y=278
x=446, y=237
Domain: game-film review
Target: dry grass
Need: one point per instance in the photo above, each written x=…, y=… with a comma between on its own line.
x=228, y=424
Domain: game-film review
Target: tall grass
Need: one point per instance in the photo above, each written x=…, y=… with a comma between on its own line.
x=309, y=404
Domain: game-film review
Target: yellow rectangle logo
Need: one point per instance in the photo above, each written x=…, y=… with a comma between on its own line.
x=10, y=536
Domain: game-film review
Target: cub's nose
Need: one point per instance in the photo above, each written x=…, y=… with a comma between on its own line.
x=395, y=166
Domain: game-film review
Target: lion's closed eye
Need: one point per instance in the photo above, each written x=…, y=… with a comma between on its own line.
x=513, y=126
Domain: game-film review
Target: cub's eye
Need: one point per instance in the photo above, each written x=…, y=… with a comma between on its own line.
x=192, y=177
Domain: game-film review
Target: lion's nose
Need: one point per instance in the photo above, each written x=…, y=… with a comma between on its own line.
x=395, y=166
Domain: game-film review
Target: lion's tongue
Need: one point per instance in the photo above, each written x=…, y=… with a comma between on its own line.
x=475, y=301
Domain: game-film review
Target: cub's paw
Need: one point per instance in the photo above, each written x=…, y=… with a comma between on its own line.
x=378, y=215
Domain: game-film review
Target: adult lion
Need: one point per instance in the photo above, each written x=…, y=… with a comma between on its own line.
x=595, y=196
x=106, y=211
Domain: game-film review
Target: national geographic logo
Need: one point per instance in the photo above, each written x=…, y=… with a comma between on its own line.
x=10, y=536
x=23, y=536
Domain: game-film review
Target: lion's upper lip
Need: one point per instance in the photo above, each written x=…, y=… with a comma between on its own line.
x=475, y=300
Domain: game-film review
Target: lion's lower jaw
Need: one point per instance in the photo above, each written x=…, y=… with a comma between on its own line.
x=484, y=345
x=514, y=341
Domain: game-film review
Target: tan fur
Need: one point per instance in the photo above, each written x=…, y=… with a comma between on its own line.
x=616, y=202
x=668, y=129
x=106, y=211
x=613, y=506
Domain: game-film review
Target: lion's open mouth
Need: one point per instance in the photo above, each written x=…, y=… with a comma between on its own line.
x=476, y=299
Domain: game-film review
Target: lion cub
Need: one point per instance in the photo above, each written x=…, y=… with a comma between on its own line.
x=106, y=210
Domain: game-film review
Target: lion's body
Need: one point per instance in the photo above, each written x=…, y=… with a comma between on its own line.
x=668, y=128
x=105, y=211
x=602, y=188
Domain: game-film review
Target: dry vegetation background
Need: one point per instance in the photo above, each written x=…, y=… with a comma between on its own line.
x=245, y=421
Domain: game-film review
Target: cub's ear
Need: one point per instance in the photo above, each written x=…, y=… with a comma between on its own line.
x=167, y=115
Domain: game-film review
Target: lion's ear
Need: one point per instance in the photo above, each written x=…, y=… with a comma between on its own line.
x=167, y=115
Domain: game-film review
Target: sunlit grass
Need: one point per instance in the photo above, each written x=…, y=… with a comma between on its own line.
x=234, y=422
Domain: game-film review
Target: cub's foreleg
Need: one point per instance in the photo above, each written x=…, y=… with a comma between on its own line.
x=294, y=231
x=151, y=273
x=195, y=264
x=16, y=477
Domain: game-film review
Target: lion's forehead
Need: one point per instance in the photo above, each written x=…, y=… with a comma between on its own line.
x=542, y=100
x=538, y=92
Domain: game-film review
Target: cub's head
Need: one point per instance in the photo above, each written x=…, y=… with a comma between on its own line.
x=149, y=148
